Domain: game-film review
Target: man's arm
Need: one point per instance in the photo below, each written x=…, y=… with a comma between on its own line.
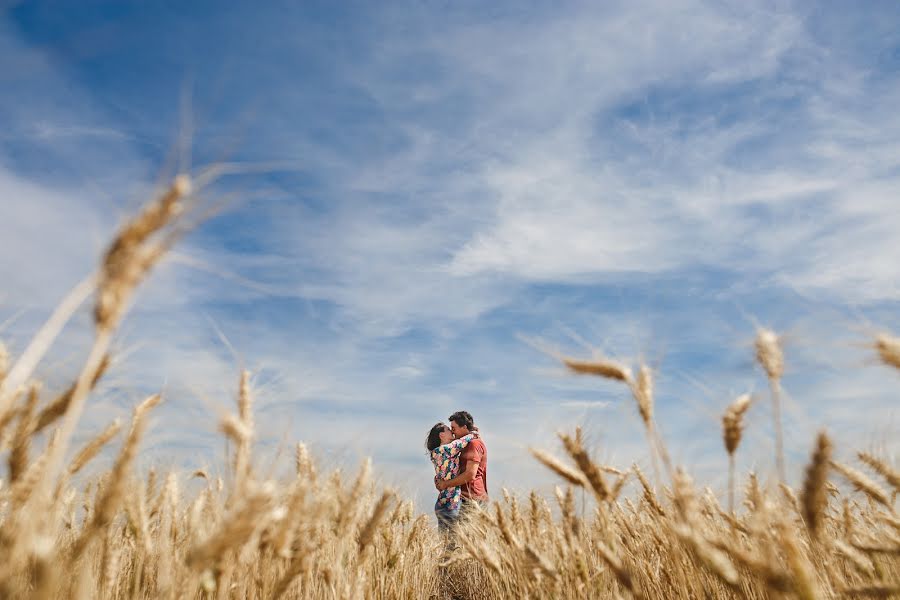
x=461, y=479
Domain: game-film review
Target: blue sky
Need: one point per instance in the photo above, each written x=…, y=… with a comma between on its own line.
x=453, y=181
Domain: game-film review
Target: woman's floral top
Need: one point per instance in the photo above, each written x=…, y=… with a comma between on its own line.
x=446, y=467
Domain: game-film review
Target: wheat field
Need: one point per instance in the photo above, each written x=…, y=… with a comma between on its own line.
x=320, y=534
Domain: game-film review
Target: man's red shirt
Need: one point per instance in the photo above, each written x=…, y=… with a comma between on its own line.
x=476, y=489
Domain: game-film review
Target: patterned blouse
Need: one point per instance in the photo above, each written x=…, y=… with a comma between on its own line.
x=446, y=467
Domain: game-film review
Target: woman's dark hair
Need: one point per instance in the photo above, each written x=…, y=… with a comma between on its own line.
x=463, y=419
x=434, y=436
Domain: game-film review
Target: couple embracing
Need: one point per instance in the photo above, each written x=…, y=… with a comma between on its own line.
x=460, y=468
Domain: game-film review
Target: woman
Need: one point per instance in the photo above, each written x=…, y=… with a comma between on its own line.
x=444, y=452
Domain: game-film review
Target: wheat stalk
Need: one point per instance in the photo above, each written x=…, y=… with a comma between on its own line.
x=732, y=430
x=771, y=357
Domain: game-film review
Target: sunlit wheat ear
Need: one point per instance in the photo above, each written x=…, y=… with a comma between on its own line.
x=506, y=531
x=135, y=505
x=771, y=357
x=110, y=499
x=22, y=490
x=232, y=426
x=862, y=562
x=863, y=484
x=600, y=367
x=649, y=494
x=111, y=569
x=303, y=463
x=350, y=502
x=715, y=560
x=684, y=495
x=300, y=563
x=769, y=353
x=5, y=416
x=891, y=475
x=872, y=546
x=241, y=430
x=235, y=530
x=170, y=495
x=815, y=494
x=791, y=496
x=891, y=521
x=847, y=519
x=558, y=467
x=151, y=482
x=888, y=348
x=732, y=431
x=806, y=586
x=481, y=551
x=129, y=258
x=877, y=590
x=733, y=422
x=771, y=573
x=587, y=467
x=753, y=493
x=8, y=417
x=367, y=533
x=539, y=562
x=21, y=442
x=535, y=511
x=612, y=470
x=623, y=575
x=245, y=400
x=296, y=510
x=642, y=389
x=618, y=486
x=566, y=501
x=4, y=362
x=93, y=447
x=60, y=404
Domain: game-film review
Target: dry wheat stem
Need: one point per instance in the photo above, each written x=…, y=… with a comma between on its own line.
x=732, y=430
x=771, y=357
x=42, y=341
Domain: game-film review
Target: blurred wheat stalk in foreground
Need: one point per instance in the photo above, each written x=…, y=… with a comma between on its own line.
x=318, y=535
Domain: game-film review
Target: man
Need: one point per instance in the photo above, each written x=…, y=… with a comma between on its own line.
x=472, y=478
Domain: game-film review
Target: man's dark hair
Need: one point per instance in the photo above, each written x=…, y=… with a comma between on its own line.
x=434, y=436
x=463, y=419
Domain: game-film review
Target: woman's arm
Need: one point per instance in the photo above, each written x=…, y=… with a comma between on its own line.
x=457, y=444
